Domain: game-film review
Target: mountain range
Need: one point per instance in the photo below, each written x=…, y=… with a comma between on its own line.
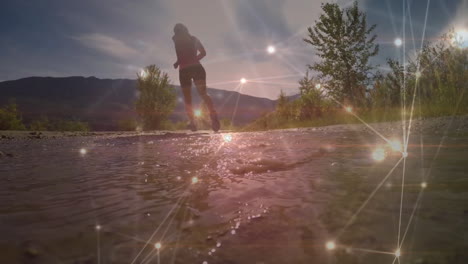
x=103, y=103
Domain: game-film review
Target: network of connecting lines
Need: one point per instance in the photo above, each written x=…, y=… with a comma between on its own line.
x=156, y=241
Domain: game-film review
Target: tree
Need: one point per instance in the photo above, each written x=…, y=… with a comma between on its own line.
x=156, y=99
x=341, y=38
x=282, y=105
x=306, y=84
x=436, y=75
x=312, y=100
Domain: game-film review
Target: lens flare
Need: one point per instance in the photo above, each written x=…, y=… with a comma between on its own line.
x=227, y=138
x=317, y=86
x=271, y=49
x=83, y=151
x=378, y=154
x=395, y=144
x=157, y=245
x=194, y=180
x=397, y=253
x=243, y=80
x=405, y=154
x=98, y=227
x=143, y=73
x=330, y=245
x=461, y=38
x=423, y=185
x=197, y=112
x=348, y=109
x=398, y=42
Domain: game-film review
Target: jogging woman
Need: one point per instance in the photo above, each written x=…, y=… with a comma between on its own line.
x=189, y=52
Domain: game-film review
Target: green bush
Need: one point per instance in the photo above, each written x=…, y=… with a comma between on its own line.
x=157, y=97
x=10, y=118
x=67, y=125
x=436, y=78
x=43, y=124
x=128, y=124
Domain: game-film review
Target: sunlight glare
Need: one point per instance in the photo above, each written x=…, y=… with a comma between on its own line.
x=243, y=80
x=271, y=49
x=157, y=245
x=227, y=138
x=378, y=154
x=396, y=145
x=398, y=42
x=461, y=38
x=143, y=73
x=330, y=245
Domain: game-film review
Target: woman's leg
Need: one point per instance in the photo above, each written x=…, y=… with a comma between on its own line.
x=186, y=86
x=200, y=82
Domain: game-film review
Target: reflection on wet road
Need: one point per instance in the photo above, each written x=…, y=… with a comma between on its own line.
x=266, y=197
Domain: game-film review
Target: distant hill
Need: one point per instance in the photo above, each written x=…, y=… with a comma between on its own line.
x=104, y=102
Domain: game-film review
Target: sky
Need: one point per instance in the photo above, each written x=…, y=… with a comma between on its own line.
x=117, y=38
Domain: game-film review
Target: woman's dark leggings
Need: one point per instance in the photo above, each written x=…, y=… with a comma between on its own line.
x=198, y=75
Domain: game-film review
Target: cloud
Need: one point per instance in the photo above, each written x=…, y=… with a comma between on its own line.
x=107, y=45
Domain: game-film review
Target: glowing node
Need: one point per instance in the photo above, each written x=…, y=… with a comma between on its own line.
x=83, y=151
x=271, y=49
x=157, y=245
x=330, y=245
x=378, y=154
x=396, y=145
x=348, y=109
x=194, y=180
x=243, y=80
x=398, y=42
x=98, y=227
x=397, y=253
x=317, y=86
x=405, y=154
x=418, y=74
x=227, y=137
x=423, y=185
x=197, y=112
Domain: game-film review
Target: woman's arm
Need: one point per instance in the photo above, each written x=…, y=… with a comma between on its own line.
x=200, y=49
x=176, y=64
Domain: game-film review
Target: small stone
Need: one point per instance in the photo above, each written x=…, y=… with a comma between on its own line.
x=31, y=250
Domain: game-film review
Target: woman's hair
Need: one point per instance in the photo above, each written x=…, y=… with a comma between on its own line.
x=181, y=30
